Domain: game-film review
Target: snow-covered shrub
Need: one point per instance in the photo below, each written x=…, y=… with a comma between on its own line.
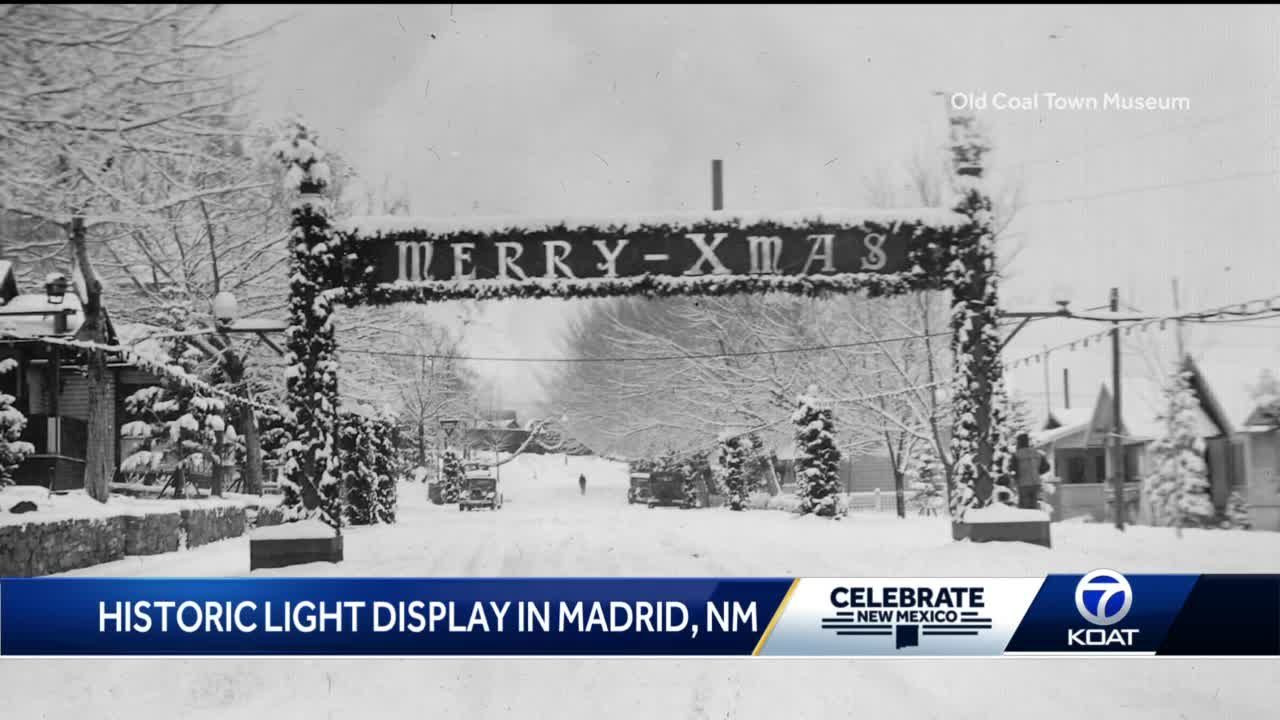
x=13, y=450
x=817, y=458
x=741, y=467
x=1177, y=490
x=1235, y=515
x=927, y=484
x=175, y=430
x=452, y=477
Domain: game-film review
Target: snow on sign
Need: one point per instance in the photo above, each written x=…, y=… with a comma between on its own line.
x=408, y=250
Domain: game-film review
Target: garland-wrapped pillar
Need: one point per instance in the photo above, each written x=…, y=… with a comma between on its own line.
x=311, y=380
x=976, y=442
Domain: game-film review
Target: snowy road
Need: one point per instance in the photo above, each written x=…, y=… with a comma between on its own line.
x=547, y=528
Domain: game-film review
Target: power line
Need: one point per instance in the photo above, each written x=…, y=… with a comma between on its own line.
x=651, y=358
x=1195, y=125
x=1236, y=312
x=1163, y=186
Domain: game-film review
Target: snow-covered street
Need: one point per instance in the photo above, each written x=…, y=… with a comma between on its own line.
x=547, y=528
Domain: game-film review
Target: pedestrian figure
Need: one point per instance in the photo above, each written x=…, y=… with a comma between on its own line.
x=1029, y=464
x=582, y=484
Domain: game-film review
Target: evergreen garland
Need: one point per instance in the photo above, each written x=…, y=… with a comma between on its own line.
x=978, y=432
x=817, y=458
x=311, y=380
x=961, y=259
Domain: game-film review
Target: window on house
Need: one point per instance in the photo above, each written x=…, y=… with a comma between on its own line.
x=1075, y=469
x=1099, y=466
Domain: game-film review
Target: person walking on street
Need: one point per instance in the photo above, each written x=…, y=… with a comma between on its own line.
x=582, y=484
x=1029, y=464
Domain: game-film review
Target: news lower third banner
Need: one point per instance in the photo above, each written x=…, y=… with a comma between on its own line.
x=1102, y=612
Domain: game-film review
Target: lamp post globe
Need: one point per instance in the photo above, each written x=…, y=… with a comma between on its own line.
x=226, y=310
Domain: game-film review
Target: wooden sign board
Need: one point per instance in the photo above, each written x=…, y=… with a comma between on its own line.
x=400, y=251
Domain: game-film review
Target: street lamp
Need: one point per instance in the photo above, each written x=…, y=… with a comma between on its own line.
x=226, y=310
x=55, y=288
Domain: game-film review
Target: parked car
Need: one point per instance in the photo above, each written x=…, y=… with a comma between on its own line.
x=480, y=489
x=667, y=489
x=639, y=492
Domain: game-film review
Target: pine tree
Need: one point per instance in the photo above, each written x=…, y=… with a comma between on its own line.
x=818, y=459
x=13, y=450
x=742, y=462
x=354, y=470
x=733, y=457
x=1178, y=488
x=181, y=431
x=928, y=481
x=386, y=466
x=453, y=477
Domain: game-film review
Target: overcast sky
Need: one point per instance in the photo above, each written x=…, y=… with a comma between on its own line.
x=556, y=110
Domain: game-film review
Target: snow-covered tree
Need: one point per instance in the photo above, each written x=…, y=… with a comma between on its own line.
x=1177, y=490
x=354, y=468
x=817, y=458
x=927, y=484
x=452, y=477
x=116, y=118
x=741, y=465
x=13, y=450
x=181, y=433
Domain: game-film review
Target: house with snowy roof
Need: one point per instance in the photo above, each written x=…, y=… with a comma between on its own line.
x=1241, y=440
x=46, y=377
x=1077, y=442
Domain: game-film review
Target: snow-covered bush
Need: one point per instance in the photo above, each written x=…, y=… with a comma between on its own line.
x=927, y=483
x=736, y=453
x=452, y=477
x=176, y=431
x=1177, y=490
x=817, y=458
x=13, y=450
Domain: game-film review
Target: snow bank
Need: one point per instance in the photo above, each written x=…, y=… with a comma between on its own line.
x=1001, y=513
x=77, y=504
x=303, y=529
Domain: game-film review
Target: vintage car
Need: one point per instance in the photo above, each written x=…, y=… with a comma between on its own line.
x=639, y=490
x=479, y=489
x=667, y=489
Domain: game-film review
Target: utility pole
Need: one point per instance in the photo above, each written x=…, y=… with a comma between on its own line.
x=1177, y=324
x=1118, y=464
x=1048, y=386
x=717, y=185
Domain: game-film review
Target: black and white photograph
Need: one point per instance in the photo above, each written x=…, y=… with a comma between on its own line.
x=301, y=293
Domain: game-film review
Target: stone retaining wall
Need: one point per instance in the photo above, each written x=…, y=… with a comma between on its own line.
x=204, y=526
x=152, y=534
x=43, y=548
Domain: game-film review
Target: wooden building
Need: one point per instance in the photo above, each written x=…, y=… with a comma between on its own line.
x=49, y=383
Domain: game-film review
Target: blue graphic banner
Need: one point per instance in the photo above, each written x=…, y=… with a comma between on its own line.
x=330, y=616
x=1101, y=612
